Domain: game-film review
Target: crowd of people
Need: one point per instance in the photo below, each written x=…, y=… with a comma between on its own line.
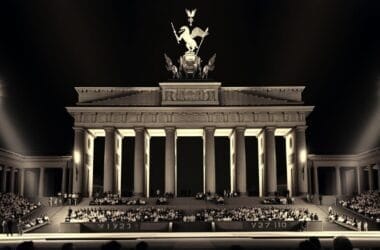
x=115, y=199
x=367, y=204
x=150, y=214
x=351, y=222
x=13, y=206
x=257, y=214
x=14, y=210
x=157, y=214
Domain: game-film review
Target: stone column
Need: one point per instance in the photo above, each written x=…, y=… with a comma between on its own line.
x=338, y=181
x=359, y=178
x=64, y=180
x=210, y=159
x=21, y=178
x=301, y=159
x=71, y=178
x=370, y=177
x=109, y=160
x=241, y=178
x=139, y=162
x=41, y=182
x=170, y=160
x=316, y=183
x=13, y=180
x=78, y=160
x=4, y=180
x=270, y=160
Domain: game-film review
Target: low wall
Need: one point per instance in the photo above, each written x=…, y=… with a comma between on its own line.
x=220, y=226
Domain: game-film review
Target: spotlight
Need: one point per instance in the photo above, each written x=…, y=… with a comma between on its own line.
x=77, y=157
x=303, y=155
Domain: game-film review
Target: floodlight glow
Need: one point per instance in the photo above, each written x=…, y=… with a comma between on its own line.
x=77, y=157
x=303, y=155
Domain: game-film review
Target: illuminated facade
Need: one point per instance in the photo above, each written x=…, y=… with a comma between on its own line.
x=204, y=109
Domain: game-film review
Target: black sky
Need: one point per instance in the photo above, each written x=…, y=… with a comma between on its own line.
x=48, y=47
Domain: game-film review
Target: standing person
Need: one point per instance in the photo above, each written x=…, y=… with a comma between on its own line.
x=19, y=227
x=365, y=226
x=10, y=227
x=359, y=226
x=320, y=200
x=4, y=226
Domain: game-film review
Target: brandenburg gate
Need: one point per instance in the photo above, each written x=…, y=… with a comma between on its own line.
x=180, y=109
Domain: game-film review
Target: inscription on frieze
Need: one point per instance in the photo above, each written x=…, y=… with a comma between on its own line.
x=190, y=93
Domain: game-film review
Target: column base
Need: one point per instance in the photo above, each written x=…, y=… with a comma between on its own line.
x=139, y=195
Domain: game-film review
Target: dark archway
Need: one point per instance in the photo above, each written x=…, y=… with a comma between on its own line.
x=189, y=166
x=98, y=165
x=281, y=165
x=157, y=165
x=252, y=162
x=127, y=164
x=222, y=164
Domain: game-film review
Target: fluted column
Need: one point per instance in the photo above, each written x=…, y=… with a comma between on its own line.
x=370, y=177
x=270, y=161
x=12, y=179
x=21, y=178
x=359, y=177
x=41, y=182
x=301, y=159
x=316, y=183
x=109, y=160
x=210, y=159
x=4, y=180
x=241, y=178
x=170, y=160
x=139, y=162
x=338, y=181
x=78, y=160
x=64, y=180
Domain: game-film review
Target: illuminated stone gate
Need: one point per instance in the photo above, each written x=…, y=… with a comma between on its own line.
x=176, y=109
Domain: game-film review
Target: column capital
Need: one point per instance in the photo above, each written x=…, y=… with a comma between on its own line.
x=270, y=128
x=209, y=129
x=109, y=129
x=170, y=128
x=139, y=129
x=79, y=129
x=301, y=128
x=240, y=129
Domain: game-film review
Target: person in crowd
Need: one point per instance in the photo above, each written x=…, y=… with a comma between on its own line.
x=4, y=226
x=342, y=243
x=20, y=226
x=365, y=226
x=10, y=227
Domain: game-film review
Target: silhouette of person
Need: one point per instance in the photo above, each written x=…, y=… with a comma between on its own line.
x=342, y=243
x=10, y=227
x=142, y=246
x=112, y=245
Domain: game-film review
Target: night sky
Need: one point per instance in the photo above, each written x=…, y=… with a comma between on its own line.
x=48, y=47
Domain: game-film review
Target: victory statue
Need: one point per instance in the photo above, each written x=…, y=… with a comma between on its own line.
x=190, y=63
